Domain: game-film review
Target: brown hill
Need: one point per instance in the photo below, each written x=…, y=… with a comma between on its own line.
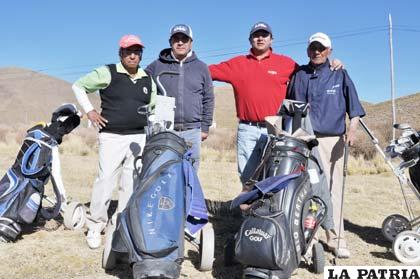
x=407, y=110
x=28, y=97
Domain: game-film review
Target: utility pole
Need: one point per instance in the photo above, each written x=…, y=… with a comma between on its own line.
x=391, y=49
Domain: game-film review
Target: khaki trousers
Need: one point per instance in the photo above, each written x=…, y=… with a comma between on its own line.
x=116, y=164
x=331, y=151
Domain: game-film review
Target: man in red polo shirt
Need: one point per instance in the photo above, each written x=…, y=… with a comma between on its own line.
x=259, y=81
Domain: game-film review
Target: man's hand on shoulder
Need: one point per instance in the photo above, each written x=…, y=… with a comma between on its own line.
x=97, y=120
x=336, y=64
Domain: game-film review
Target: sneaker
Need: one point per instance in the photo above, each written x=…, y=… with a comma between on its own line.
x=94, y=239
x=341, y=253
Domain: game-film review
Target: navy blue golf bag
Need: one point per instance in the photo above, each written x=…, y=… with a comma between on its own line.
x=166, y=201
x=284, y=211
x=22, y=187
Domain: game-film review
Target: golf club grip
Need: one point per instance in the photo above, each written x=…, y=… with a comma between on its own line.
x=346, y=158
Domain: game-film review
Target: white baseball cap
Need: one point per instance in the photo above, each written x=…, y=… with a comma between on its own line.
x=321, y=38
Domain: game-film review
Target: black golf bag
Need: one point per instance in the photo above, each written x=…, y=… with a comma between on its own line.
x=407, y=147
x=415, y=175
x=22, y=187
x=413, y=153
x=166, y=201
x=284, y=212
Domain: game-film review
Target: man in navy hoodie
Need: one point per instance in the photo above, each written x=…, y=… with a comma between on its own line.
x=331, y=95
x=192, y=88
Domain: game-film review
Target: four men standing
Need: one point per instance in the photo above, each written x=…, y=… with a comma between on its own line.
x=259, y=79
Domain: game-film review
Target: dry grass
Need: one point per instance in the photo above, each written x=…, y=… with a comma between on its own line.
x=64, y=254
x=369, y=197
x=359, y=165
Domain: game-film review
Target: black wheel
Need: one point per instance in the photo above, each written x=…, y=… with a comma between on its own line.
x=109, y=258
x=229, y=252
x=393, y=225
x=256, y=273
x=318, y=258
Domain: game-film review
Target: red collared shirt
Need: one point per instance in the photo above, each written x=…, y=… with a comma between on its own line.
x=259, y=85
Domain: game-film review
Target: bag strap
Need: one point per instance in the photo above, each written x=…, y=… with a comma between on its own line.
x=28, y=168
x=49, y=213
x=249, y=184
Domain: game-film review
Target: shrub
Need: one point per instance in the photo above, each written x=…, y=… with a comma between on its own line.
x=75, y=145
x=4, y=130
x=221, y=139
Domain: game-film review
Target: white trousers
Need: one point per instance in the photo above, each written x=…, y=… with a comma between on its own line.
x=116, y=166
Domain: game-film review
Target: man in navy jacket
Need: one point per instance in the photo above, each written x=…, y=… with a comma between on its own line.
x=331, y=95
x=192, y=88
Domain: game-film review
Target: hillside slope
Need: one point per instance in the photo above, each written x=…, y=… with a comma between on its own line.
x=28, y=97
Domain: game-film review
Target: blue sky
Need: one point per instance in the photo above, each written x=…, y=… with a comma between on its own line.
x=67, y=39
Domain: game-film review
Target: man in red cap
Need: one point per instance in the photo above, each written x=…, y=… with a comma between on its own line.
x=123, y=87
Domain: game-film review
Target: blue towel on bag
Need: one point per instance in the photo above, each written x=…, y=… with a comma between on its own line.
x=271, y=184
x=196, y=209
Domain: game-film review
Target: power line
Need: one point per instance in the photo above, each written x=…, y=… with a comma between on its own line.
x=279, y=44
x=408, y=29
x=276, y=42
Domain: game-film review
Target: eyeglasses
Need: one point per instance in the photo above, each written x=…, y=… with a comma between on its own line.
x=315, y=46
x=179, y=37
x=128, y=51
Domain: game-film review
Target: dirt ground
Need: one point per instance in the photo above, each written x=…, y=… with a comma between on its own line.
x=61, y=253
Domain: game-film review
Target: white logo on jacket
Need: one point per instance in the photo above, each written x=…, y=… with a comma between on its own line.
x=272, y=72
x=145, y=91
x=333, y=89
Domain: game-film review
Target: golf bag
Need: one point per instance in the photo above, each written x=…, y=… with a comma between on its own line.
x=166, y=201
x=415, y=175
x=410, y=154
x=284, y=212
x=407, y=148
x=22, y=187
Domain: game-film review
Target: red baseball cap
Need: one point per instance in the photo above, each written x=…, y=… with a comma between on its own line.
x=130, y=40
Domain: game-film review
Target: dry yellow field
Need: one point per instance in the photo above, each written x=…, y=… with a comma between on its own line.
x=371, y=194
x=64, y=254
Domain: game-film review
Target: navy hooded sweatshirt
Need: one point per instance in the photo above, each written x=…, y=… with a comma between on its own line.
x=192, y=89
